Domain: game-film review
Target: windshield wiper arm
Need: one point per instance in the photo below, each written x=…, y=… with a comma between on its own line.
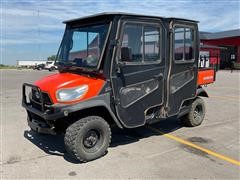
x=74, y=67
x=68, y=64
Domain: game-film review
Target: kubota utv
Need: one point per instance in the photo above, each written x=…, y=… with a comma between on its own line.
x=118, y=69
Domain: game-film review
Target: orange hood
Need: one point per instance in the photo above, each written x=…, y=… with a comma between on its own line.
x=52, y=83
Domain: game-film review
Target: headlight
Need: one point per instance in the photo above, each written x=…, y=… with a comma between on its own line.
x=71, y=94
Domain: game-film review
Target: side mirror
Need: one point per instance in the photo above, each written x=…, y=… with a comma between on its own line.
x=126, y=54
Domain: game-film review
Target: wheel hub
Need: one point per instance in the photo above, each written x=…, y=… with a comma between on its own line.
x=91, y=139
x=198, y=113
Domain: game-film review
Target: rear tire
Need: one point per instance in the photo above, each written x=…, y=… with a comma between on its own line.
x=196, y=115
x=88, y=138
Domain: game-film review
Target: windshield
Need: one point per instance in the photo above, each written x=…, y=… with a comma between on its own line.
x=82, y=46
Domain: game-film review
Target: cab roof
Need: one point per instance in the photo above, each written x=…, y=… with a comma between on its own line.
x=106, y=15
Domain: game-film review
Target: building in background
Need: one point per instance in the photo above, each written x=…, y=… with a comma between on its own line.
x=220, y=48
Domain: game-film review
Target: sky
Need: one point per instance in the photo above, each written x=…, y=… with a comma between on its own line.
x=32, y=29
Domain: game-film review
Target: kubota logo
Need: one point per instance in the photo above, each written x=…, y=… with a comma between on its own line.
x=208, y=78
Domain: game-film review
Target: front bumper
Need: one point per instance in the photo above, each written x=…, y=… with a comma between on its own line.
x=57, y=113
x=46, y=112
x=53, y=114
x=42, y=117
x=40, y=127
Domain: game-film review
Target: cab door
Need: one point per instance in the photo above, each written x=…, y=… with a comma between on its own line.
x=138, y=71
x=184, y=52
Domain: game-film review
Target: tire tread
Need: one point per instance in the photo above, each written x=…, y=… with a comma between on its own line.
x=188, y=119
x=70, y=138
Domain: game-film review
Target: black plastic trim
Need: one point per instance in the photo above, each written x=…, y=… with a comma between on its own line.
x=201, y=92
x=62, y=110
x=40, y=127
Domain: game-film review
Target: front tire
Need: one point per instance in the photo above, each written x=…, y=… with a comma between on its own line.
x=196, y=115
x=52, y=69
x=88, y=138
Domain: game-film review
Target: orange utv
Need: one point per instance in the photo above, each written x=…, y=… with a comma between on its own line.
x=118, y=69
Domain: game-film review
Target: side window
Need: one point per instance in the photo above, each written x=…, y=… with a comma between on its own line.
x=131, y=48
x=183, y=44
x=178, y=43
x=151, y=43
x=140, y=43
x=189, y=46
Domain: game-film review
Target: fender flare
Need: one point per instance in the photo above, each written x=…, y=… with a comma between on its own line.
x=201, y=92
x=99, y=101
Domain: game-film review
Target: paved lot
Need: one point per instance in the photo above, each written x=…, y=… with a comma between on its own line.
x=140, y=153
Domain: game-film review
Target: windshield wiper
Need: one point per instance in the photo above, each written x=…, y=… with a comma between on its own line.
x=73, y=66
x=67, y=64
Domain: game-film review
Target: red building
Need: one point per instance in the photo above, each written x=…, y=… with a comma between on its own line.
x=221, y=48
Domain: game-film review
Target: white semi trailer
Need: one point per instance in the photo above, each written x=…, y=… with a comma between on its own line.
x=29, y=63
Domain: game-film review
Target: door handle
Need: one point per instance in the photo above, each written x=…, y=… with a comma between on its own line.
x=158, y=76
x=191, y=67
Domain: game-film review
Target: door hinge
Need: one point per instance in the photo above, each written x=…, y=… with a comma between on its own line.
x=114, y=42
x=107, y=89
x=116, y=101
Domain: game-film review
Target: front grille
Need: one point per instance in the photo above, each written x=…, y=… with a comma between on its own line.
x=34, y=97
x=46, y=98
x=36, y=105
x=37, y=97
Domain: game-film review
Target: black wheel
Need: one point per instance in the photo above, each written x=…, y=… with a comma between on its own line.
x=196, y=115
x=88, y=138
x=52, y=69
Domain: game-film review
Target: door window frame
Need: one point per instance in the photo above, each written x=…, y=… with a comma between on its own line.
x=184, y=61
x=158, y=25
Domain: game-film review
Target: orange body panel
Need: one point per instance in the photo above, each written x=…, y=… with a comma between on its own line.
x=52, y=83
x=206, y=76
